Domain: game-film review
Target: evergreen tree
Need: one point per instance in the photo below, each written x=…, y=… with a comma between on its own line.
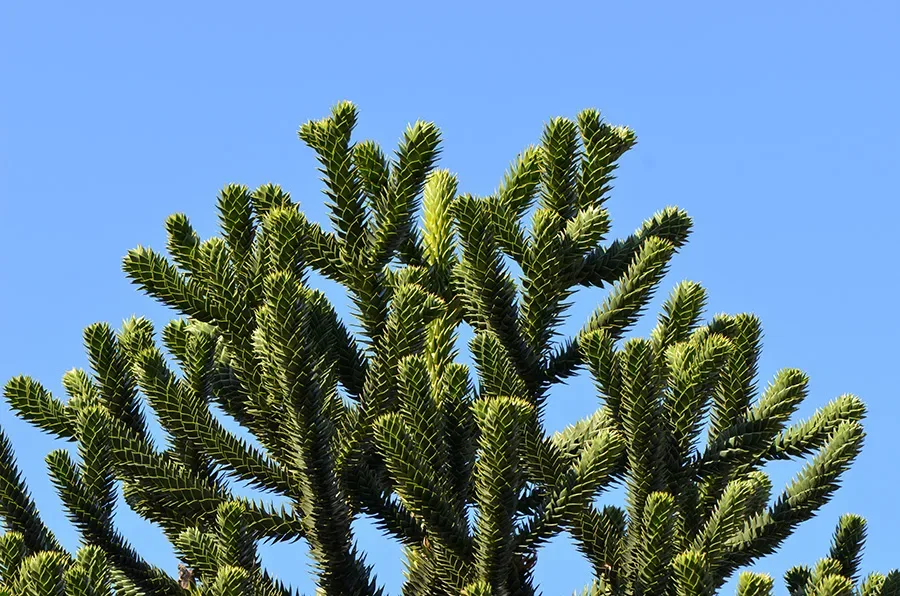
x=837, y=574
x=453, y=463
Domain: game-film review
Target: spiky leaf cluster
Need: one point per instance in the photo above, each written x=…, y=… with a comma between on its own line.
x=454, y=463
x=838, y=574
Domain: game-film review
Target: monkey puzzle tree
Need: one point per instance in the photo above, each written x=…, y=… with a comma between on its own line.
x=835, y=575
x=385, y=422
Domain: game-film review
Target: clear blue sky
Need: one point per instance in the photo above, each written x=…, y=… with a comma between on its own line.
x=774, y=124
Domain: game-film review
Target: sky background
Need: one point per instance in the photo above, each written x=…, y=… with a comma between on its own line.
x=774, y=124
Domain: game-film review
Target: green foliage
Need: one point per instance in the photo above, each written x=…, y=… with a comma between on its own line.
x=386, y=423
x=838, y=573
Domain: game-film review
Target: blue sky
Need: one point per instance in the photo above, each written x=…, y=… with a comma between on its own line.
x=774, y=124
